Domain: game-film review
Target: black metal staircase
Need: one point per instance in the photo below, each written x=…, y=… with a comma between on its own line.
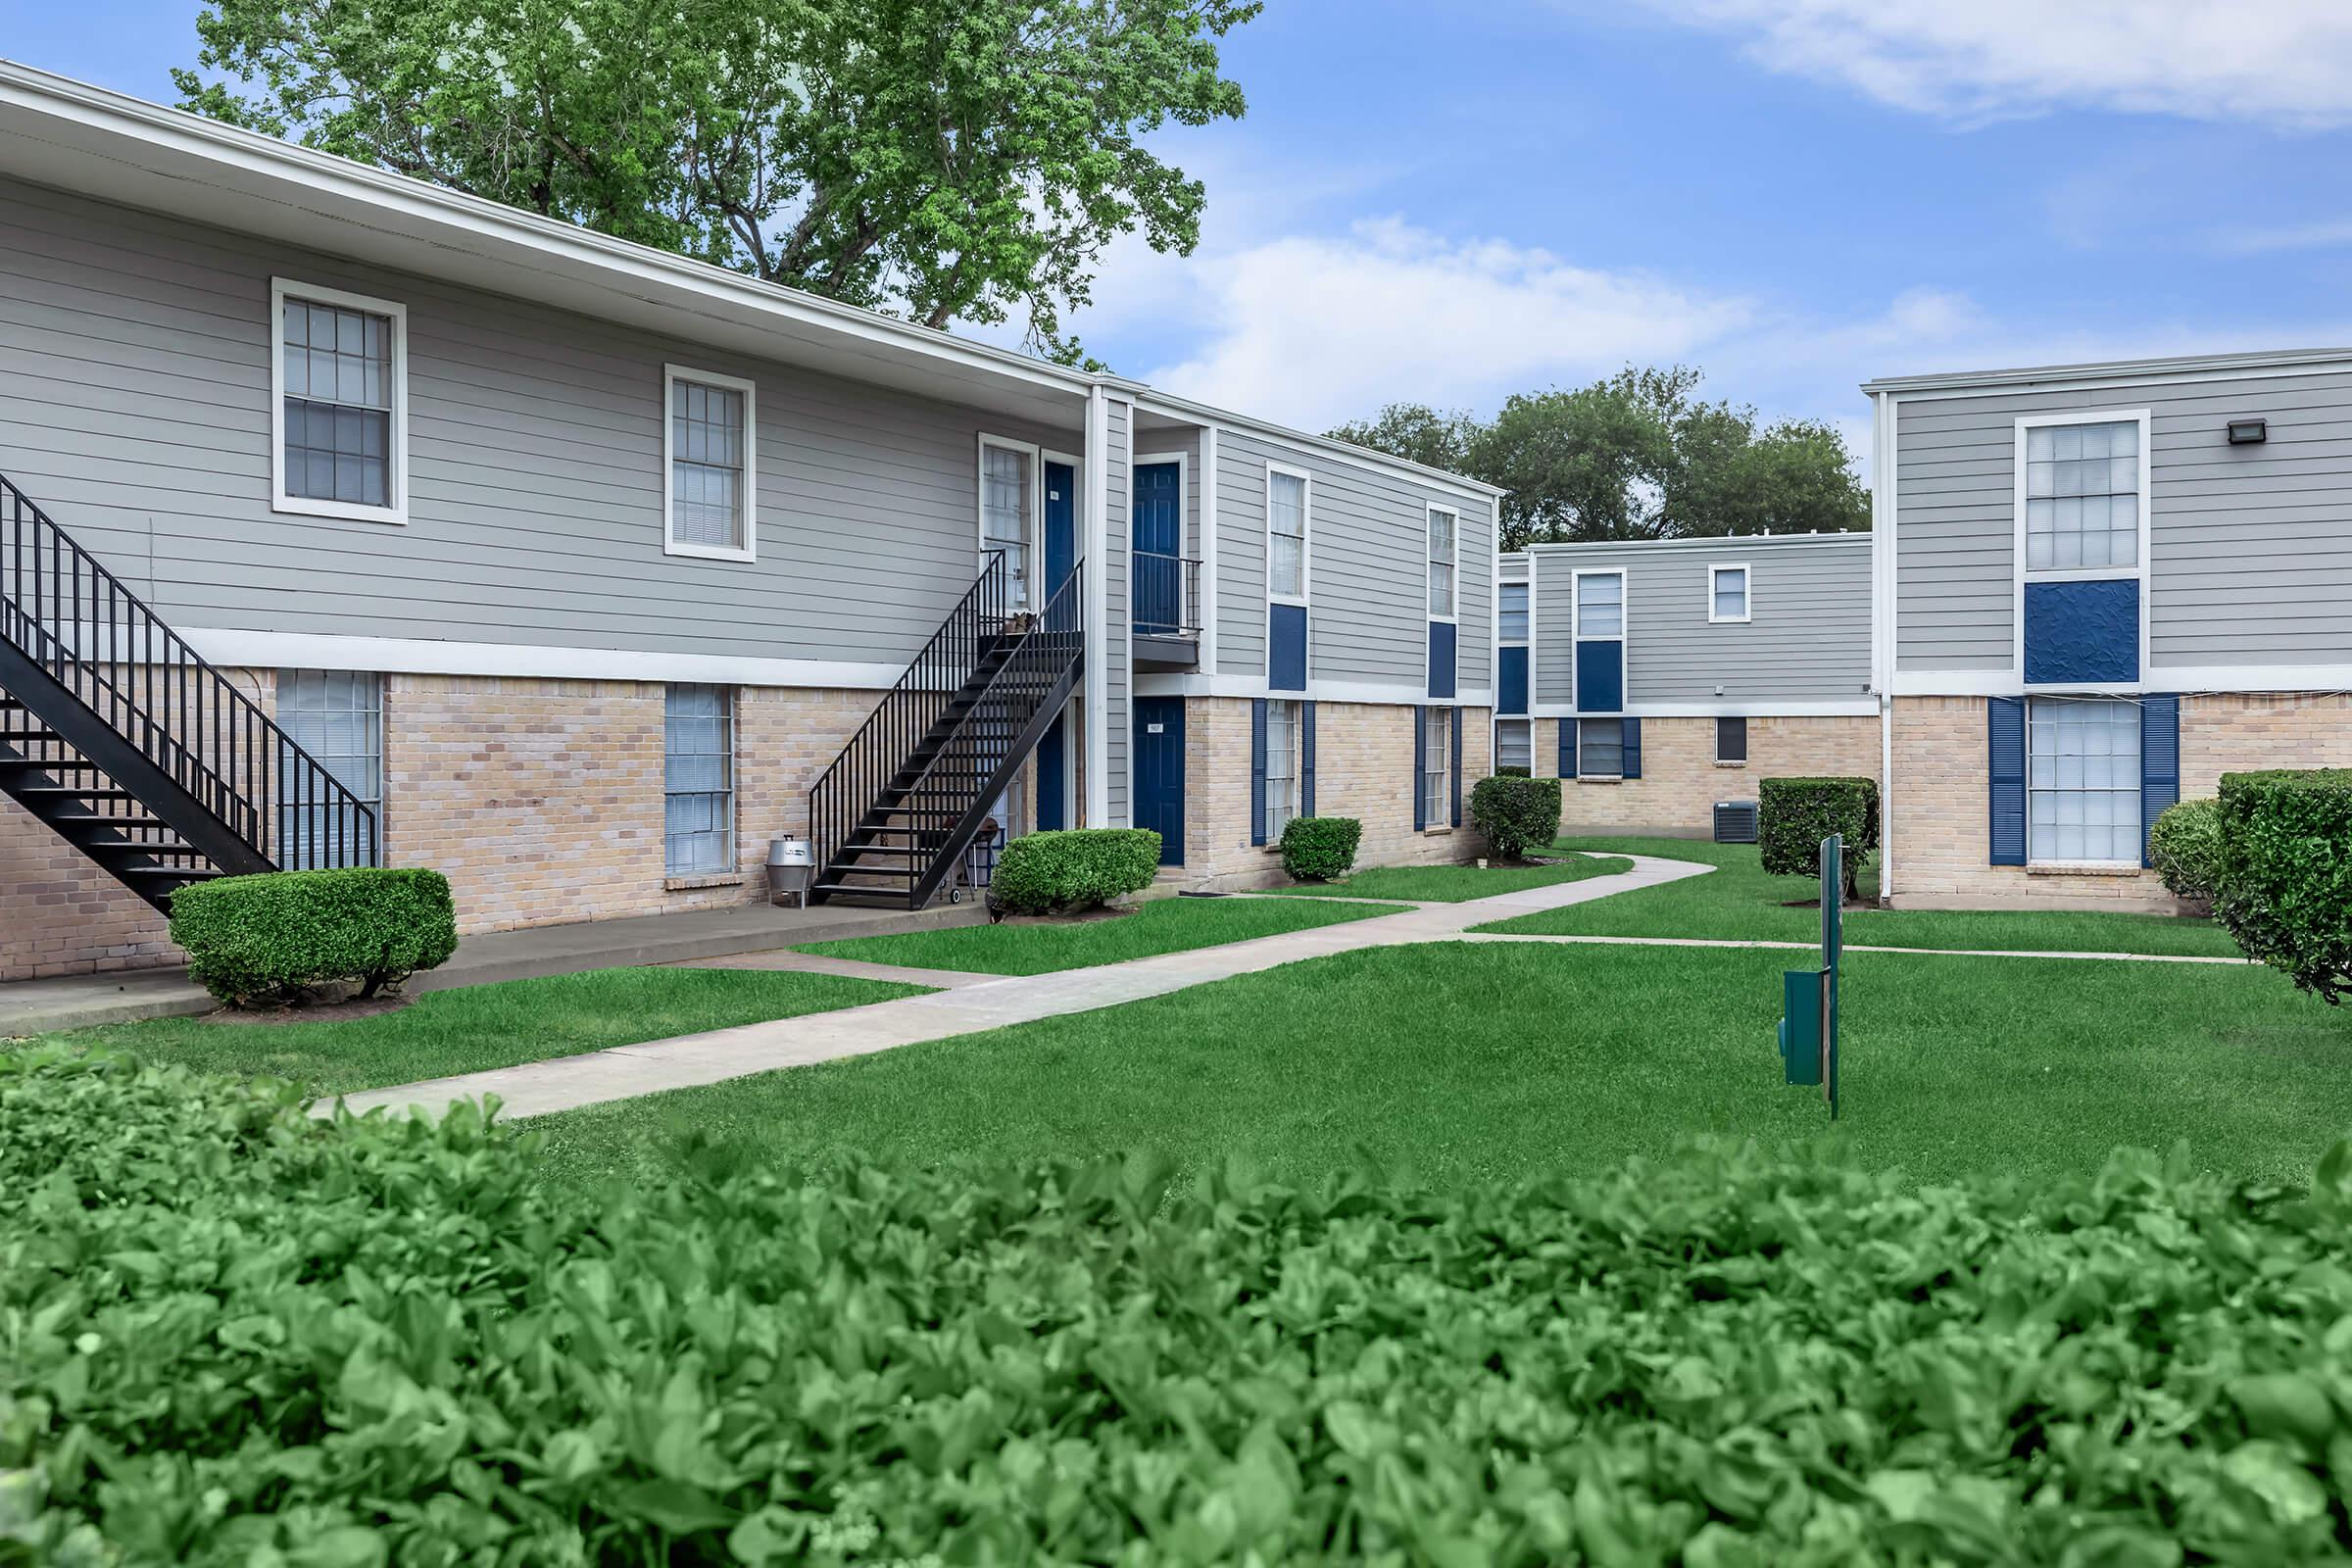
x=125, y=741
x=895, y=815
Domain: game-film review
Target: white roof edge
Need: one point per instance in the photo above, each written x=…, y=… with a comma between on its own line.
x=2115, y=369
x=1711, y=541
x=161, y=126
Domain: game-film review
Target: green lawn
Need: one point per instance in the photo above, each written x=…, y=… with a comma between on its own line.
x=1463, y=1062
x=1738, y=901
x=1160, y=926
x=1457, y=884
x=473, y=1027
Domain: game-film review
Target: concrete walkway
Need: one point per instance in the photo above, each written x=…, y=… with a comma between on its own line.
x=624, y=1072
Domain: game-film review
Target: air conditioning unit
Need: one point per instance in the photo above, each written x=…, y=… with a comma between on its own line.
x=1735, y=821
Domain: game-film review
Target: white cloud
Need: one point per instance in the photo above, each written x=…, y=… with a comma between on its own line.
x=2279, y=61
x=1314, y=329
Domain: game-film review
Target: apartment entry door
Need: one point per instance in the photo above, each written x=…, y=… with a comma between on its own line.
x=1159, y=772
x=1158, y=548
x=1053, y=759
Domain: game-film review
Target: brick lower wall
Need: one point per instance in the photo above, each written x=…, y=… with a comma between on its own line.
x=1681, y=781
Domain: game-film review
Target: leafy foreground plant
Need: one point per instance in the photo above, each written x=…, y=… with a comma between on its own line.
x=235, y=1335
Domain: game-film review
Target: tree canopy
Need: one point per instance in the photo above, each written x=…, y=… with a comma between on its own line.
x=1634, y=455
x=944, y=160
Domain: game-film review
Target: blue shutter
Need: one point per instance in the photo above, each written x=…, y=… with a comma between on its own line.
x=2159, y=763
x=2005, y=765
x=1567, y=748
x=1633, y=749
x=1420, y=765
x=1307, y=759
x=1453, y=754
x=1258, y=772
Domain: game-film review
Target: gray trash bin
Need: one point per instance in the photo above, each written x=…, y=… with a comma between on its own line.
x=790, y=866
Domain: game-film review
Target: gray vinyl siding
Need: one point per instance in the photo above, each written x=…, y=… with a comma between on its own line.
x=1117, y=668
x=136, y=410
x=1806, y=639
x=1367, y=568
x=2250, y=548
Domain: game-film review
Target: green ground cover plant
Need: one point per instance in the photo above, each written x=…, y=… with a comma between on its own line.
x=1156, y=926
x=1458, y=884
x=238, y=1336
x=470, y=1028
x=1739, y=902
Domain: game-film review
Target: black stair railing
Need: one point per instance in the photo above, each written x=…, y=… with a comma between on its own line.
x=78, y=631
x=878, y=752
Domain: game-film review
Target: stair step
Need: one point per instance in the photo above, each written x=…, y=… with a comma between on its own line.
x=71, y=792
x=160, y=852
x=120, y=824
x=168, y=873
x=43, y=764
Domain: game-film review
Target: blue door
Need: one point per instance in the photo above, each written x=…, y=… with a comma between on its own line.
x=1158, y=548
x=1159, y=772
x=1061, y=526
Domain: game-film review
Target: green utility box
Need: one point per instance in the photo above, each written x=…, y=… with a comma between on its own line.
x=1800, y=1025
x=1809, y=997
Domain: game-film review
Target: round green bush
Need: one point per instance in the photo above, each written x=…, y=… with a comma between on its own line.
x=1066, y=872
x=1516, y=813
x=1794, y=814
x=280, y=936
x=2185, y=847
x=1320, y=849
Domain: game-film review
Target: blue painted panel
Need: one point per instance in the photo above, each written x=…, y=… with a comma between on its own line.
x=2081, y=631
x=1285, y=647
x=2005, y=769
x=1258, y=772
x=1440, y=658
x=2159, y=763
x=1159, y=772
x=1512, y=697
x=1599, y=676
x=1052, y=777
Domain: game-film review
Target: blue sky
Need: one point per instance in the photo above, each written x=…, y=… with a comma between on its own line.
x=1449, y=202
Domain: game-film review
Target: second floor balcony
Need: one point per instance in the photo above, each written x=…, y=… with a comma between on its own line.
x=1164, y=596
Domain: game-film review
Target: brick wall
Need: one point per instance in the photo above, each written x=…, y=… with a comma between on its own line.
x=1681, y=781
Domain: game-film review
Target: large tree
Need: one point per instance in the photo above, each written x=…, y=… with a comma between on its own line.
x=1634, y=455
x=944, y=160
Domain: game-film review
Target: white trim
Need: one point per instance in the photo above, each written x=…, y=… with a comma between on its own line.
x=1094, y=547
x=1844, y=538
x=671, y=375
x=1762, y=708
x=2073, y=377
x=1307, y=538
x=1186, y=683
x=1167, y=406
x=396, y=455
x=2021, y=574
x=2183, y=679
x=1741, y=761
x=1208, y=439
x=1035, y=540
x=1747, y=593
x=1882, y=604
x=418, y=655
x=1125, y=816
x=1184, y=495
x=1453, y=616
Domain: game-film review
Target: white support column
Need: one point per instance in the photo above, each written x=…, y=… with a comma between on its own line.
x=1208, y=550
x=1097, y=627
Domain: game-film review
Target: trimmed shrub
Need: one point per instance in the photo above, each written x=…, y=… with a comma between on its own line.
x=1794, y=814
x=282, y=935
x=236, y=1335
x=1077, y=869
x=1514, y=771
x=2185, y=847
x=1320, y=849
x=1515, y=813
x=2284, y=873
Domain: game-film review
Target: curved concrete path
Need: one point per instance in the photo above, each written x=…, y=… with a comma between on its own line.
x=624, y=1072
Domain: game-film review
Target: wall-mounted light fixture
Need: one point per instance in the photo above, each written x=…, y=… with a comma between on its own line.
x=2249, y=432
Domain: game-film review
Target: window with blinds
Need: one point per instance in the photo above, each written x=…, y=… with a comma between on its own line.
x=1286, y=535
x=699, y=780
x=710, y=440
x=337, y=717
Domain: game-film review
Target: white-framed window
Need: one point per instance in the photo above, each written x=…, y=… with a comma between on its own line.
x=1437, y=734
x=1727, y=593
x=1511, y=614
x=1599, y=746
x=2082, y=487
x=338, y=404
x=709, y=434
x=1600, y=604
x=698, y=780
x=1514, y=744
x=2083, y=781
x=1289, y=501
x=1011, y=509
x=1731, y=738
x=1283, y=733
x=1444, y=531
x=337, y=717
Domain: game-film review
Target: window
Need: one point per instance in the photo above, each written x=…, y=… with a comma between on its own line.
x=2082, y=496
x=1514, y=744
x=2083, y=780
x=1286, y=534
x=1437, y=731
x=709, y=442
x=337, y=717
x=1599, y=748
x=1599, y=603
x=1727, y=593
x=1282, y=767
x=1511, y=617
x=1007, y=504
x=697, y=743
x=340, y=386
x=1731, y=740
x=1441, y=528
